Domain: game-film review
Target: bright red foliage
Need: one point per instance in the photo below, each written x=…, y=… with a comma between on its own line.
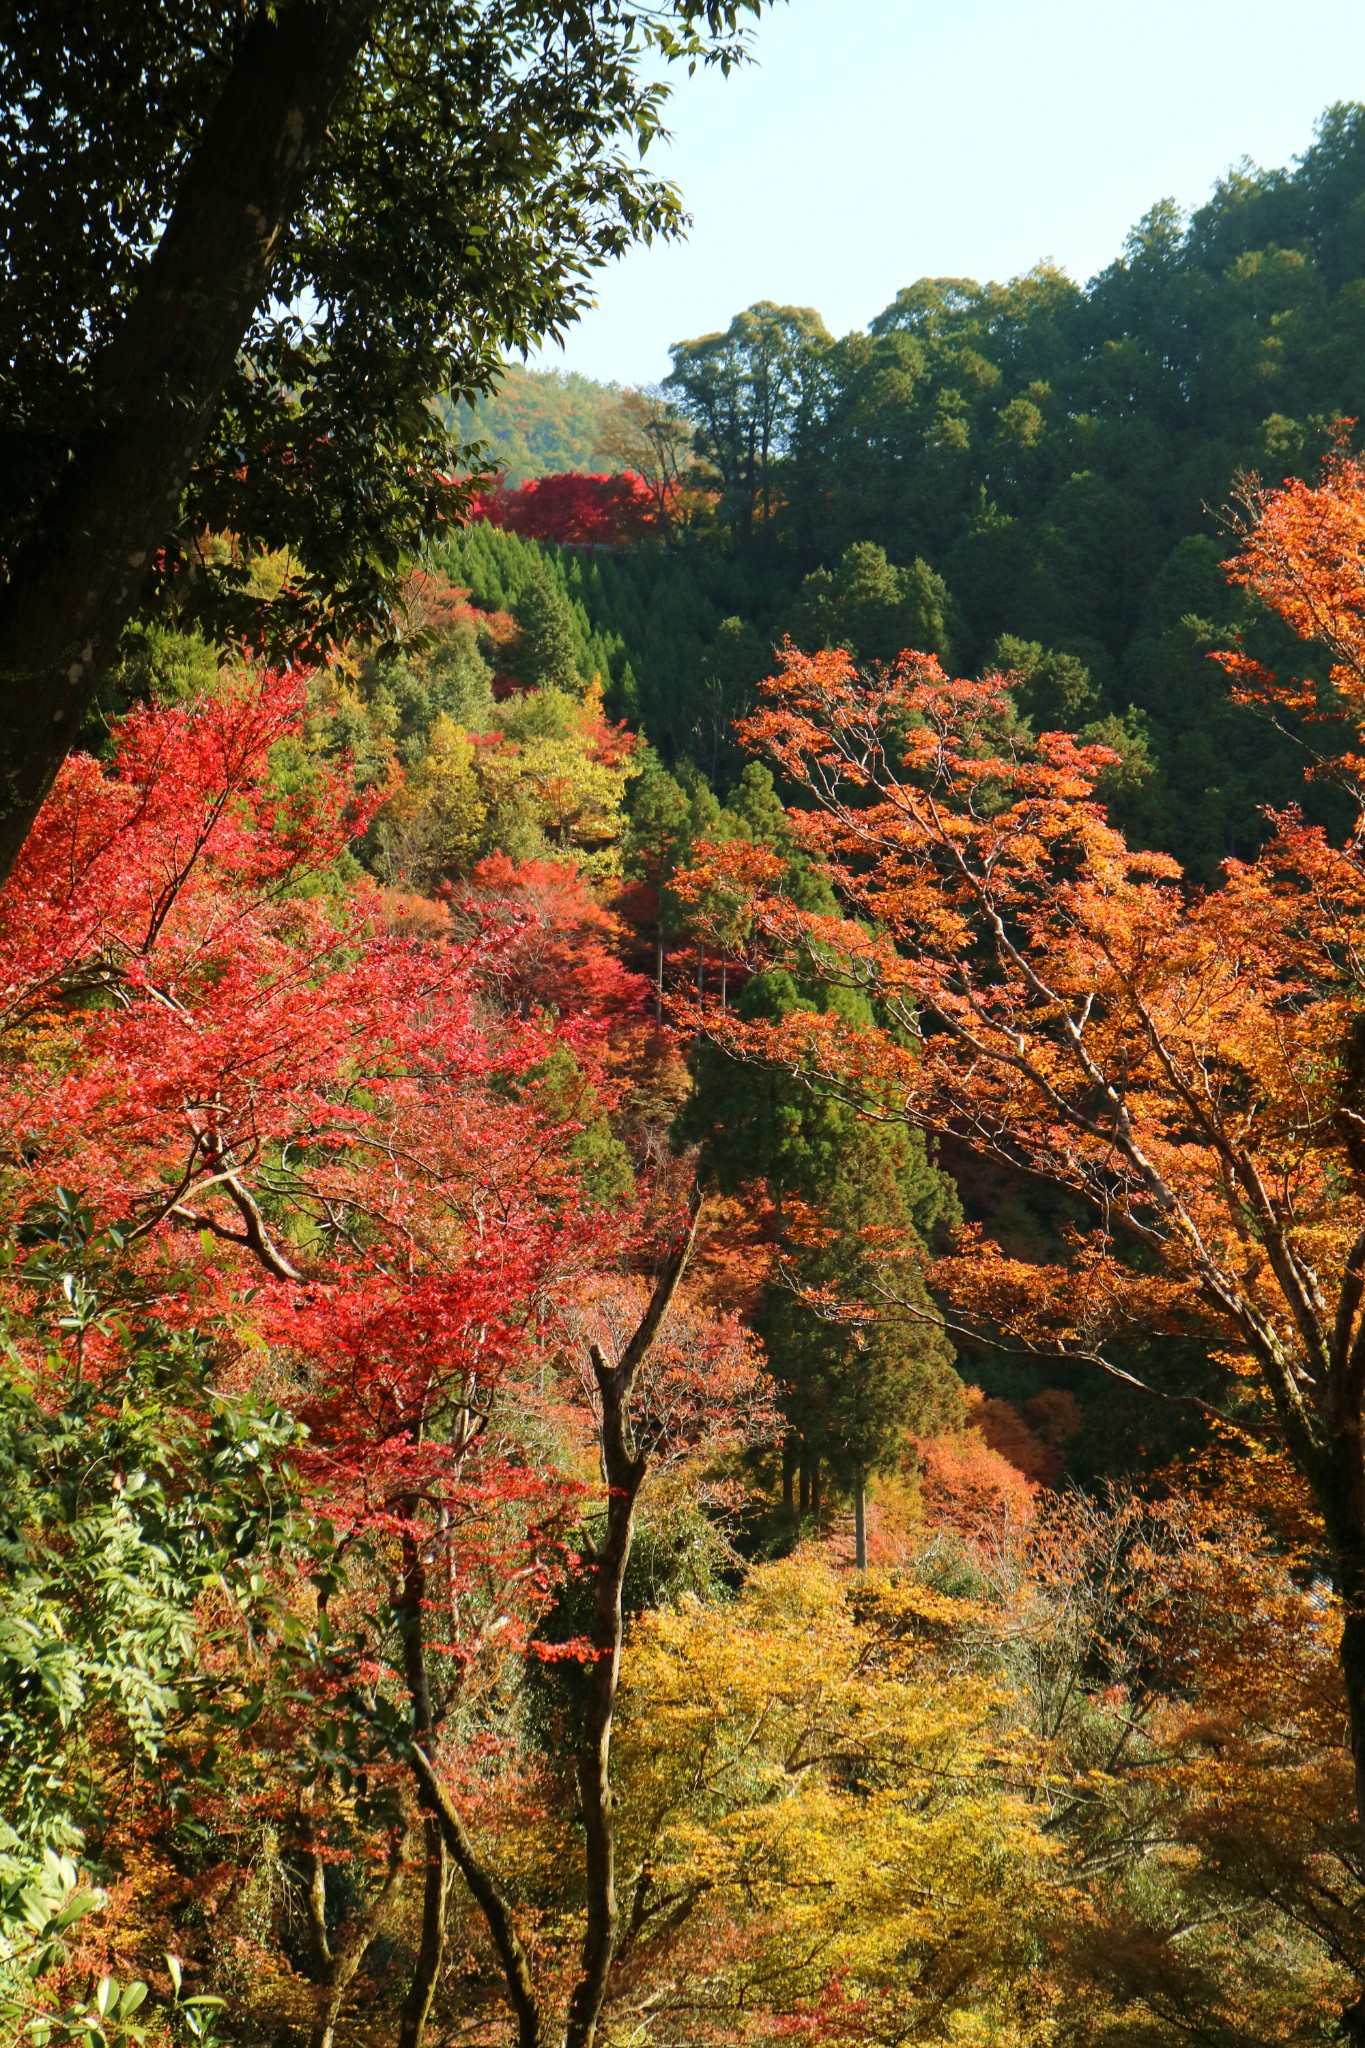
x=209, y=1044
x=563, y=954
x=575, y=510
x=195, y=1027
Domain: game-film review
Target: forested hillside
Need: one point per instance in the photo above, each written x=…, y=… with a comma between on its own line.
x=1036, y=460
x=682, y=1219
x=540, y=423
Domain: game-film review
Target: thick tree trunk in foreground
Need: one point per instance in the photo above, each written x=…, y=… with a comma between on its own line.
x=74, y=584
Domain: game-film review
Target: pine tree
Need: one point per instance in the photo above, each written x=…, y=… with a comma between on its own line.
x=853, y=1340
x=546, y=651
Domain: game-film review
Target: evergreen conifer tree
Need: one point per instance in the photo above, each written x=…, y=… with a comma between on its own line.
x=853, y=1340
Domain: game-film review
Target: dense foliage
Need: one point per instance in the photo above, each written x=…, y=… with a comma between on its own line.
x=654, y=1399
x=1031, y=459
x=246, y=254
x=536, y=424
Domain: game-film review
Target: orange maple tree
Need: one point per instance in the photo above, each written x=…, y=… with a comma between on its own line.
x=1187, y=1067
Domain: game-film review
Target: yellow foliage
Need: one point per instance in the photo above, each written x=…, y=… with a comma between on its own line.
x=840, y=1814
x=551, y=783
x=562, y=771
x=433, y=824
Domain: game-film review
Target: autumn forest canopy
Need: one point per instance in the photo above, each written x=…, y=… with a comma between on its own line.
x=682, y=1087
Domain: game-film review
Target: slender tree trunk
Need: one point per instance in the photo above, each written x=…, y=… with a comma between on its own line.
x=701, y=973
x=337, y=1965
x=815, y=1486
x=723, y=965
x=431, y=1950
x=659, y=979
x=73, y=585
x=859, y=1518
x=625, y=1476
x=624, y=1469
x=789, y=1460
x=805, y=1484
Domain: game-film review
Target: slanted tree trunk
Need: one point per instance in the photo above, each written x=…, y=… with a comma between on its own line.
x=624, y=1468
x=73, y=585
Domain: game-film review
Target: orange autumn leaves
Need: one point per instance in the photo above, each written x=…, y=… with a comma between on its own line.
x=1062, y=1003
x=1303, y=553
x=1183, y=1070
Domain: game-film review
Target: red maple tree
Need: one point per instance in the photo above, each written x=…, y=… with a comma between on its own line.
x=574, y=510
x=311, y=1129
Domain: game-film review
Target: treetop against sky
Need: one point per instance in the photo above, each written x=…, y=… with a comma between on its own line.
x=875, y=141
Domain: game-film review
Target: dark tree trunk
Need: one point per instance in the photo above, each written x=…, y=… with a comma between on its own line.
x=860, y=1518
x=73, y=586
x=789, y=1460
x=431, y=1949
x=805, y=1484
x=815, y=1487
x=624, y=1468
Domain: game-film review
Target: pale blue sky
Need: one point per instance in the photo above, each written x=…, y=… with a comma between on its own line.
x=877, y=141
